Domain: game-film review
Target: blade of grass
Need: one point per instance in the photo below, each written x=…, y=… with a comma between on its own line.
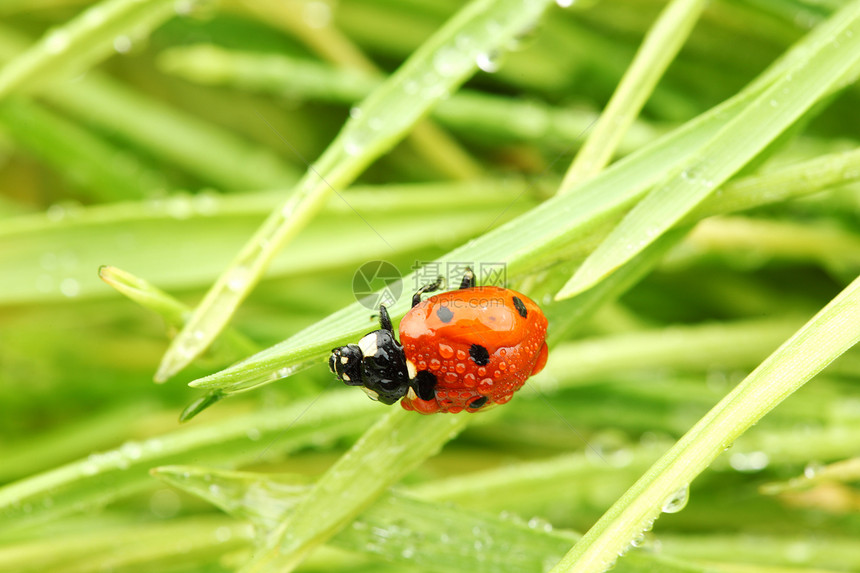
x=740, y=140
x=657, y=51
x=844, y=471
x=159, y=546
x=203, y=149
x=41, y=253
x=114, y=474
x=95, y=168
x=438, y=537
x=469, y=112
x=436, y=146
x=665, y=486
x=235, y=344
x=439, y=66
x=791, y=181
x=395, y=445
x=533, y=237
x=82, y=41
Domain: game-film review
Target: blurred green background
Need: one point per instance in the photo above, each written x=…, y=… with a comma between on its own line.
x=163, y=157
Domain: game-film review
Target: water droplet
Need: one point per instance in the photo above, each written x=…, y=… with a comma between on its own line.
x=122, y=44
x=489, y=61
x=375, y=123
x=56, y=41
x=812, y=469
x=677, y=501
x=448, y=61
x=131, y=450
x=179, y=207
x=238, y=278
x=316, y=15
x=355, y=112
x=774, y=103
x=223, y=534
x=565, y=3
x=749, y=462
x=352, y=146
x=70, y=287
x=253, y=434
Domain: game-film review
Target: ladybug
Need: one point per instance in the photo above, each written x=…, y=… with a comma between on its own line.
x=465, y=349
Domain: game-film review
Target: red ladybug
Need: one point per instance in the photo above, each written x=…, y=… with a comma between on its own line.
x=463, y=349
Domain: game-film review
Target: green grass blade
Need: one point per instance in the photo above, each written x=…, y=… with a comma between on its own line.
x=472, y=113
x=40, y=253
x=95, y=168
x=114, y=474
x=313, y=343
x=835, y=329
x=742, y=138
x=385, y=116
x=398, y=528
x=174, y=312
x=844, y=471
x=385, y=453
x=657, y=51
x=82, y=42
x=153, y=546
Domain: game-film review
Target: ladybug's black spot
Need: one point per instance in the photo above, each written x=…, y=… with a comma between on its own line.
x=444, y=313
x=479, y=355
x=477, y=403
x=425, y=385
x=521, y=308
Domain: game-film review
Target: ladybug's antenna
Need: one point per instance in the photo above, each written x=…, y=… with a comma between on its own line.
x=468, y=279
x=434, y=286
x=384, y=319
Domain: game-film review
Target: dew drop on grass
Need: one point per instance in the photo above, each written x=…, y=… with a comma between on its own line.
x=122, y=44
x=489, y=61
x=238, y=278
x=56, y=42
x=749, y=462
x=565, y=3
x=812, y=469
x=447, y=61
x=677, y=501
x=70, y=287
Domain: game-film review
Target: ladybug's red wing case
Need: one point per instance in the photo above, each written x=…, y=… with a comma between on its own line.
x=471, y=347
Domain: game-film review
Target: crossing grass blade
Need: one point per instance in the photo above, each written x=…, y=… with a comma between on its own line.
x=665, y=486
x=430, y=74
x=83, y=41
x=763, y=120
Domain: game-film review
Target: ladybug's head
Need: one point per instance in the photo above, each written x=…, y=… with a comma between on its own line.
x=376, y=363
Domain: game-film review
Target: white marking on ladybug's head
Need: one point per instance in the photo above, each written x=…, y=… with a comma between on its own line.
x=411, y=394
x=368, y=344
x=411, y=370
x=373, y=395
x=345, y=377
x=344, y=359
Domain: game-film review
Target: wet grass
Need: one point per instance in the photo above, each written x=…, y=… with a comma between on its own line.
x=187, y=189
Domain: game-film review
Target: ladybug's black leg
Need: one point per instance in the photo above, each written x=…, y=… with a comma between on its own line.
x=434, y=286
x=384, y=319
x=468, y=279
